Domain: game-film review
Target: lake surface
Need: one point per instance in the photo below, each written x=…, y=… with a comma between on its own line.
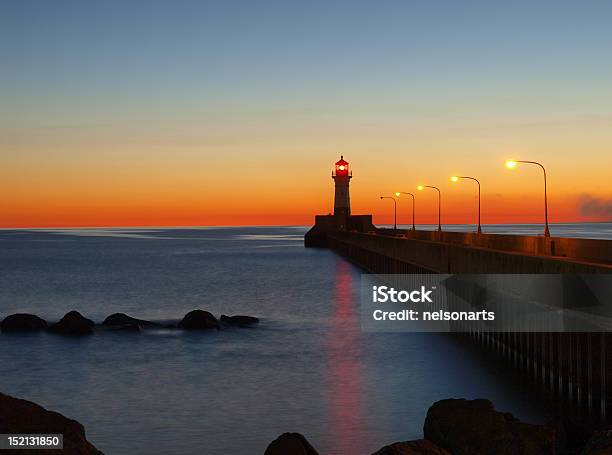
x=307, y=367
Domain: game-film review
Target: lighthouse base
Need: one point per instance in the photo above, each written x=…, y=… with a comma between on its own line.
x=316, y=237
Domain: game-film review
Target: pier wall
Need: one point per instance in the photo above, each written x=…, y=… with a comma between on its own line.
x=591, y=250
x=399, y=254
x=572, y=369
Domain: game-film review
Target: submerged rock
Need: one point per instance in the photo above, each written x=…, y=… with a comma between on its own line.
x=290, y=444
x=73, y=323
x=417, y=447
x=22, y=322
x=122, y=320
x=21, y=416
x=474, y=427
x=199, y=320
x=243, y=321
x=124, y=328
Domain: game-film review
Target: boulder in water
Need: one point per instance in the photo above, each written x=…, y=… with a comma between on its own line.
x=417, y=447
x=22, y=322
x=25, y=417
x=73, y=323
x=239, y=320
x=124, y=328
x=290, y=444
x=122, y=320
x=199, y=320
x=474, y=427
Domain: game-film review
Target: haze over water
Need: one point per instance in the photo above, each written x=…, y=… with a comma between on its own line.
x=307, y=367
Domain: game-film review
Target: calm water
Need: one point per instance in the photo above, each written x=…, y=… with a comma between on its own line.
x=307, y=367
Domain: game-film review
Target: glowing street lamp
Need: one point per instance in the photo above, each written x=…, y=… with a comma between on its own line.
x=511, y=164
x=455, y=179
x=410, y=194
x=421, y=187
x=394, y=210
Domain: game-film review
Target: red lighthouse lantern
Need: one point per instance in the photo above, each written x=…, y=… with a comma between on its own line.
x=342, y=167
x=342, y=201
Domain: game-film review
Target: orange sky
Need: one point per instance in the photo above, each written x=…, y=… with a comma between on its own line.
x=57, y=184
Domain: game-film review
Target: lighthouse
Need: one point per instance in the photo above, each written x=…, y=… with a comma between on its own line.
x=342, y=201
x=325, y=227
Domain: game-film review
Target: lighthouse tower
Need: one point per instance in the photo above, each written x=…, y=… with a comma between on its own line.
x=342, y=201
x=342, y=220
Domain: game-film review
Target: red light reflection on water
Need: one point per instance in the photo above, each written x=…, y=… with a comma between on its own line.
x=345, y=380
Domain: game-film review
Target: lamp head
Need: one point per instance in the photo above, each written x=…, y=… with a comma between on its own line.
x=397, y=194
x=420, y=187
x=381, y=197
x=454, y=179
x=510, y=164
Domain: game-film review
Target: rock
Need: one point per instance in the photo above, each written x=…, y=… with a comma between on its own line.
x=290, y=444
x=22, y=322
x=418, y=447
x=242, y=321
x=125, y=328
x=599, y=444
x=199, y=320
x=21, y=416
x=474, y=427
x=122, y=319
x=73, y=323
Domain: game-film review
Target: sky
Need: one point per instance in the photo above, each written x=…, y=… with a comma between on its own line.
x=177, y=113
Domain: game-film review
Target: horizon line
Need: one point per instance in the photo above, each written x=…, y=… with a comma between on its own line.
x=203, y=226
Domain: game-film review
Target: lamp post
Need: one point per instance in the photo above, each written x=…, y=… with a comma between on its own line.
x=394, y=210
x=410, y=194
x=455, y=179
x=511, y=164
x=421, y=187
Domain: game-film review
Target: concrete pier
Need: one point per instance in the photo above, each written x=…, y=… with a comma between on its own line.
x=407, y=251
x=460, y=253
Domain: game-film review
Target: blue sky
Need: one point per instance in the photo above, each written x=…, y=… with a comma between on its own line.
x=299, y=55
